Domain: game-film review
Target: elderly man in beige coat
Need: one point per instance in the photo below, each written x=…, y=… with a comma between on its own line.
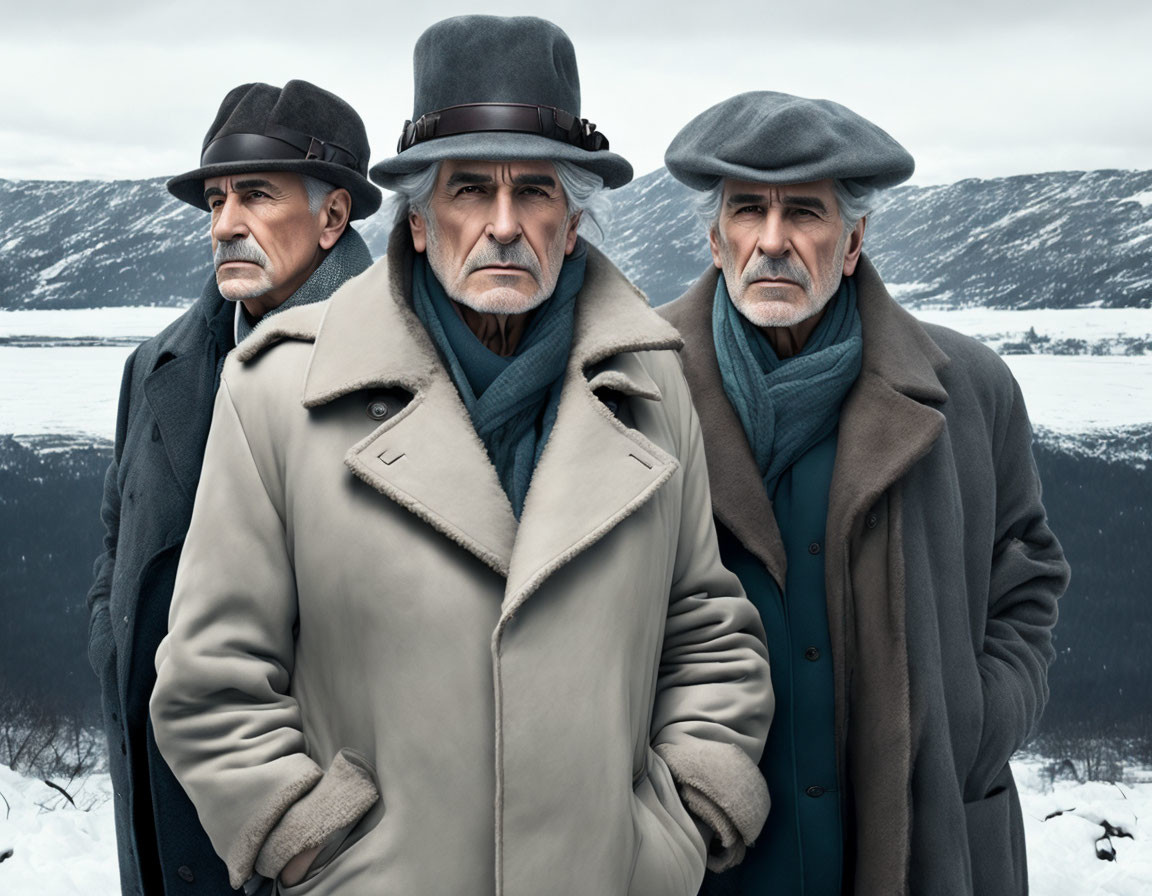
x=465, y=628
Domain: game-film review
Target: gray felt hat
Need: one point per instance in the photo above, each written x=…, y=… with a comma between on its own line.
x=299, y=127
x=498, y=88
x=777, y=138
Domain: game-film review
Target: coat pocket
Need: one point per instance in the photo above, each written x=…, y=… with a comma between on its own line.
x=996, y=840
x=342, y=807
x=669, y=858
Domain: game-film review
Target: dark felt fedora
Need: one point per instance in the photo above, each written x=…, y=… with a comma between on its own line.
x=778, y=138
x=498, y=88
x=298, y=127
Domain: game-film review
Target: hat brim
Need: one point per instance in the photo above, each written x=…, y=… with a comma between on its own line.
x=615, y=170
x=366, y=198
x=705, y=175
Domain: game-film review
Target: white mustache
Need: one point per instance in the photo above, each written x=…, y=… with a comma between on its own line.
x=768, y=268
x=497, y=254
x=246, y=249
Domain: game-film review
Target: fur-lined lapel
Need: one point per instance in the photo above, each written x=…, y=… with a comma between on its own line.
x=885, y=426
x=593, y=472
x=428, y=458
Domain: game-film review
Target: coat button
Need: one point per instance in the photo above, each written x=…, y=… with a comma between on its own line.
x=186, y=874
x=812, y=654
x=377, y=409
x=814, y=548
x=871, y=520
x=815, y=791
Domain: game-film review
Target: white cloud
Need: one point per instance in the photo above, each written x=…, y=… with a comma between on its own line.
x=127, y=89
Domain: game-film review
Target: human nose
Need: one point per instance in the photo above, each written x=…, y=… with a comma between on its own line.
x=228, y=221
x=505, y=224
x=773, y=237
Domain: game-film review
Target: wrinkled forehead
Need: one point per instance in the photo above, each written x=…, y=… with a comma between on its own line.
x=746, y=190
x=278, y=181
x=510, y=172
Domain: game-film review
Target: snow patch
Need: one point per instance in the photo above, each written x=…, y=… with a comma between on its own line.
x=1144, y=199
x=58, y=849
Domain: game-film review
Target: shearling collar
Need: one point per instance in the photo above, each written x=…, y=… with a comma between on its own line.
x=371, y=338
x=900, y=359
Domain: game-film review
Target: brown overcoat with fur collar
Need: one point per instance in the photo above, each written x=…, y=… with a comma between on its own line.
x=942, y=582
x=502, y=707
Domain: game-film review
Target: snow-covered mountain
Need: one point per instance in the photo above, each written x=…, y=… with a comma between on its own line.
x=1061, y=240
x=90, y=244
x=1058, y=240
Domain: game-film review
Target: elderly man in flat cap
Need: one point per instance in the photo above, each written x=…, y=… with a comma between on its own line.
x=283, y=171
x=874, y=488
x=466, y=629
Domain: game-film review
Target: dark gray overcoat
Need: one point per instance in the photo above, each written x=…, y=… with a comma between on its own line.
x=942, y=581
x=166, y=399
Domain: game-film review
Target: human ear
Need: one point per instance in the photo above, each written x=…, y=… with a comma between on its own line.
x=573, y=226
x=419, y=228
x=855, y=245
x=334, y=217
x=714, y=245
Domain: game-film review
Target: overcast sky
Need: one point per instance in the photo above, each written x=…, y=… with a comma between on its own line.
x=125, y=89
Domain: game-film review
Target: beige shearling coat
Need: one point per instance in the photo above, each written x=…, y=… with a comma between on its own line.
x=365, y=650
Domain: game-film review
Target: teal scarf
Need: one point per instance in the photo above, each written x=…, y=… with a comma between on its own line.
x=512, y=401
x=787, y=406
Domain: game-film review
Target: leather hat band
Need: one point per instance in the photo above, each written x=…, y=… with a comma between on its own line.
x=547, y=121
x=277, y=143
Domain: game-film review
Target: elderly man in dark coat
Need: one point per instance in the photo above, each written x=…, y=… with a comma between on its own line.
x=874, y=489
x=282, y=172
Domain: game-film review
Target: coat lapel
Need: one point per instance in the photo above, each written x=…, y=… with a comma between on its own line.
x=181, y=392
x=887, y=423
x=739, y=500
x=594, y=471
x=428, y=458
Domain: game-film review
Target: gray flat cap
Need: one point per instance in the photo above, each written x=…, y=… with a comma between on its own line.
x=489, y=87
x=777, y=138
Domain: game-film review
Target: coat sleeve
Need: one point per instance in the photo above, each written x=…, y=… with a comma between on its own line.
x=714, y=700
x=222, y=711
x=101, y=643
x=1028, y=576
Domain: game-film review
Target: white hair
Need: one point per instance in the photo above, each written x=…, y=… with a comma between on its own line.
x=317, y=190
x=584, y=192
x=854, y=200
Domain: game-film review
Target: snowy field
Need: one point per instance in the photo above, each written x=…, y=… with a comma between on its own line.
x=61, y=390
x=81, y=323
x=1090, y=324
x=64, y=389
x=59, y=850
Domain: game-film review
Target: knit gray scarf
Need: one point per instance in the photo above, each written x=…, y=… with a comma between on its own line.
x=346, y=259
x=787, y=406
x=512, y=401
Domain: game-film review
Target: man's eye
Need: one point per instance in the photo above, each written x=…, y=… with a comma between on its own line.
x=257, y=194
x=470, y=188
x=749, y=210
x=533, y=191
